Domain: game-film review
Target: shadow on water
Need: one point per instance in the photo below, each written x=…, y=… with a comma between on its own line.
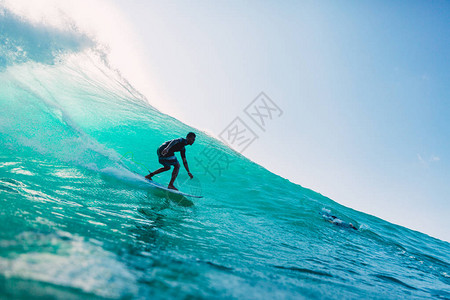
x=156, y=208
x=394, y=280
x=166, y=196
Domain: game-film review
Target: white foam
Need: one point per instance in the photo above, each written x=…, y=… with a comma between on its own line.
x=77, y=264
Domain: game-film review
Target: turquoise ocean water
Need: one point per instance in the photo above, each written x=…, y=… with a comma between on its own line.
x=77, y=222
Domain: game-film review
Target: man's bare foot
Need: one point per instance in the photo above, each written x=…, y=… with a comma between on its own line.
x=172, y=187
x=149, y=176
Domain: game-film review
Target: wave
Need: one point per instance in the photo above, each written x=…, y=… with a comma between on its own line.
x=77, y=221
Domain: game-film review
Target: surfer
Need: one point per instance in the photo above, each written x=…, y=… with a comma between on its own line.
x=339, y=222
x=326, y=214
x=167, y=158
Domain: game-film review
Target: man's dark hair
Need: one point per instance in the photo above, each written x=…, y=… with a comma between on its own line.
x=190, y=134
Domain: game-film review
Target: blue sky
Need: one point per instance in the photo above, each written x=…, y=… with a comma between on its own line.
x=363, y=86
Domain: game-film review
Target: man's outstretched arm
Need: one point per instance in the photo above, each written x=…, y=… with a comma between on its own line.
x=185, y=164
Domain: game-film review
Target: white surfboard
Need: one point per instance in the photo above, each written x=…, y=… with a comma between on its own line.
x=160, y=186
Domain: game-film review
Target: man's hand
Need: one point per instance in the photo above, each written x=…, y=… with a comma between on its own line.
x=190, y=175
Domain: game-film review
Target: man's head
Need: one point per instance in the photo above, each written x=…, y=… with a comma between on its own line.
x=190, y=138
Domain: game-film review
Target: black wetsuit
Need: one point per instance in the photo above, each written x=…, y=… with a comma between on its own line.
x=176, y=145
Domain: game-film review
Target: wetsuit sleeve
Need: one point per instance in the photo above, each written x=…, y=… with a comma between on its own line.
x=183, y=153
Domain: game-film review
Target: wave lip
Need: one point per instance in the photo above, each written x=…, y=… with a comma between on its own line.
x=22, y=41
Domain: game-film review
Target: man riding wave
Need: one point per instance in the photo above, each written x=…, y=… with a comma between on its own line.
x=166, y=157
